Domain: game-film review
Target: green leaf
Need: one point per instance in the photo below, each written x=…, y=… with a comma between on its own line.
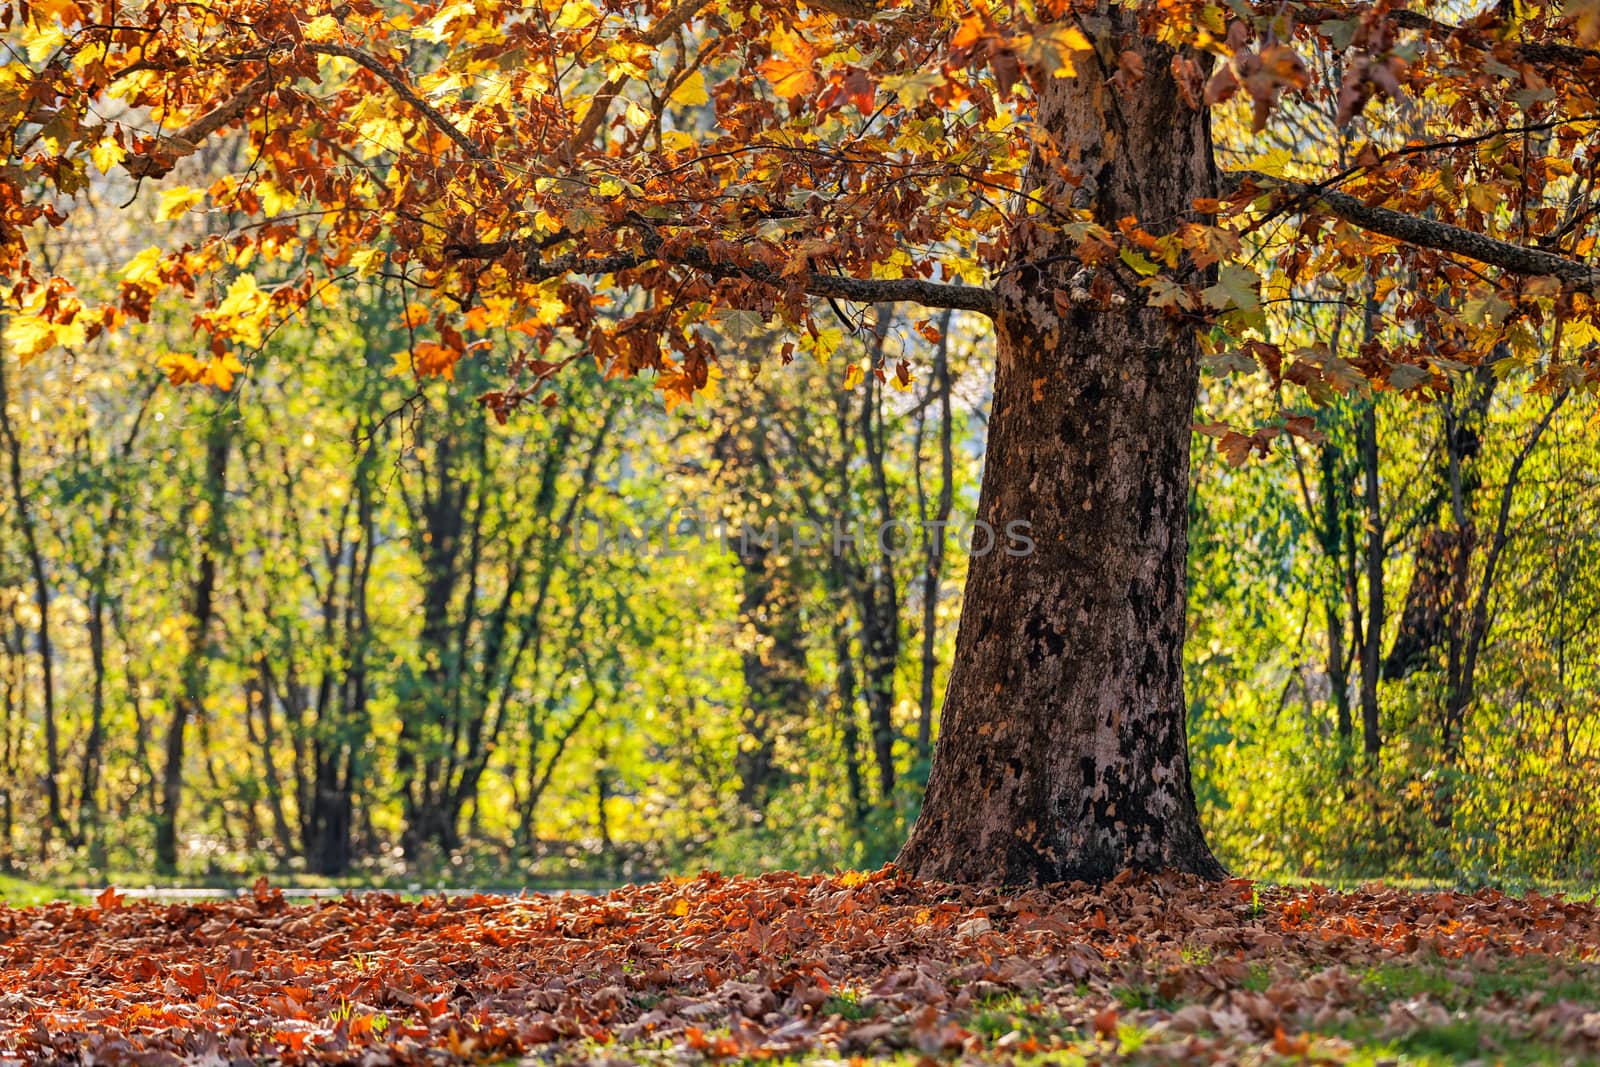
x=1238, y=287
x=1138, y=261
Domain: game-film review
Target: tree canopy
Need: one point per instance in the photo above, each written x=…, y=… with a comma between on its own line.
x=633, y=181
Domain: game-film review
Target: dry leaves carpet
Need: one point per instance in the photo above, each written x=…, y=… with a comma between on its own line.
x=814, y=968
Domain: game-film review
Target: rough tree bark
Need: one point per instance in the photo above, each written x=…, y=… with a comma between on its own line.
x=1063, y=752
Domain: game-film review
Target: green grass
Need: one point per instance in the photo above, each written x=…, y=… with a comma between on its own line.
x=1459, y=1041
x=849, y=1006
x=1026, y=1016
x=20, y=893
x=1460, y=989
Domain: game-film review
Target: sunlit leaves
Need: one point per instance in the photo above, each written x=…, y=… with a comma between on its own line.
x=144, y=269
x=1056, y=48
x=184, y=369
x=178, y=200
x=691, y=92
x=27, y=336
x=322, y=28
x=790, y=76
x=434, y=360
x=522, y=144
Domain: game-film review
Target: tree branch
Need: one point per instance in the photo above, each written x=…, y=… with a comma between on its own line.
x=669, y=23
x=1428, y=233
x=815, y=283
x=172, y=147
x=1545, y=52
x=403, y=90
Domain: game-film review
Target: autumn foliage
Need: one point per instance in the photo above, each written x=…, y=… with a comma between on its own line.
x=517, y=169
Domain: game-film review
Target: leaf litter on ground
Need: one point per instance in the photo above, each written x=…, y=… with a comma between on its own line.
x=788, y=966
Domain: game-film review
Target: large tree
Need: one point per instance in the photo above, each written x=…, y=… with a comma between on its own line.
x=633, y=182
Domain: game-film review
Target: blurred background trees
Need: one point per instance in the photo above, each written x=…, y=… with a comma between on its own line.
x=338, y=619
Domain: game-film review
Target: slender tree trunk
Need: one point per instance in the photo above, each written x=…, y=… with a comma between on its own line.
x=1063, y=752
x=933, y=567
x=1372, y=648
x=258, y=696
x=13, y=680
x=89, y=776
x=879, y=596
x=1332, y=536
x=189, y=704
x=845, y=675
x=774, y=662
x=54, y=818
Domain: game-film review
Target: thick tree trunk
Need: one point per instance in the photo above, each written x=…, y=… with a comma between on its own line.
x=1063, y=752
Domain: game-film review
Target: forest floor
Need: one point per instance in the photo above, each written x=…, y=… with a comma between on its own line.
x=817, y=970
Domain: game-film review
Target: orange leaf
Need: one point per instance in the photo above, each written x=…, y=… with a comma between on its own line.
x=790, y=77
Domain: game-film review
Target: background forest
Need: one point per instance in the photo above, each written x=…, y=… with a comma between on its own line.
x=328, y=615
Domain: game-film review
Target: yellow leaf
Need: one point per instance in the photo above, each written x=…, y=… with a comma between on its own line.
x=575, y=14
x=28, y=335
x=438, y=28
x=378, y=127
x=1053, y=48
x=691, y=92
x=144, y=269
x=243, y=311
x=274, y=201
x=823, y=344
x=1138, y=261
x=177, y=200
x=637, y=115
x=42, y=41
x=321, y=28
x=244, y=298
x=105, y=154
x=852, y=376
x=366, y=261
x=1273, y=162
x=1483, y=197
x=221, y=371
